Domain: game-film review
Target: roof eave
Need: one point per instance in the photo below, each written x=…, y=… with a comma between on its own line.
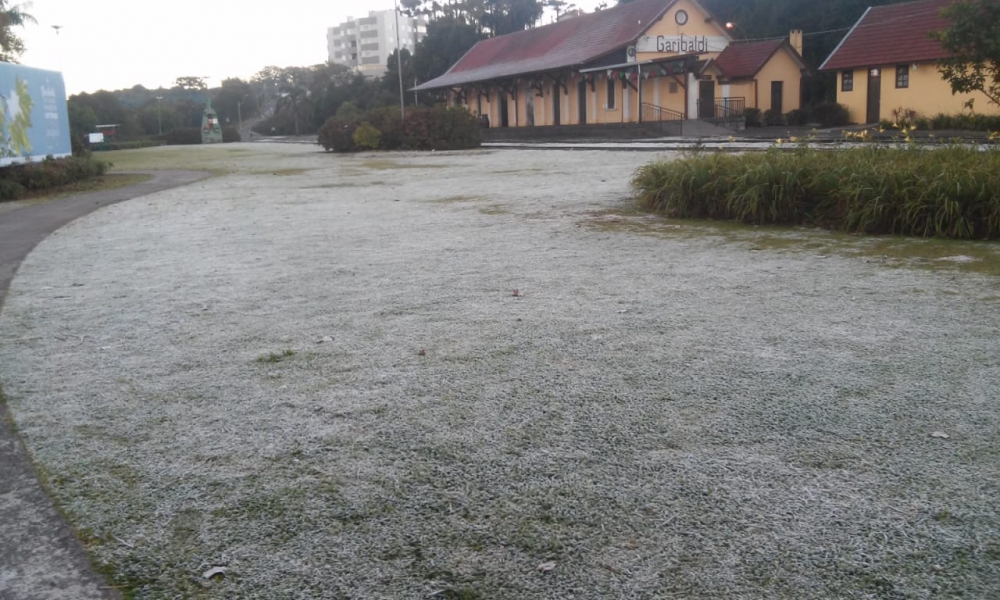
x=846, y=37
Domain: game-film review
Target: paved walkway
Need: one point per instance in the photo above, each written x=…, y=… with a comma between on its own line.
x=40, y=559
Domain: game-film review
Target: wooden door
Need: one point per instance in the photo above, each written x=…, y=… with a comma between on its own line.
x=556, y=102
x=874, y=95
x=504, y=112
x=777, y=93
x=581, y=101
x=706, y=99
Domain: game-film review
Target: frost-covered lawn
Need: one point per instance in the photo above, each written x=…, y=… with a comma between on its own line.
x=314, y=372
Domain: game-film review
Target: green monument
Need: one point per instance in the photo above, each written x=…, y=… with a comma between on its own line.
x=211, y=131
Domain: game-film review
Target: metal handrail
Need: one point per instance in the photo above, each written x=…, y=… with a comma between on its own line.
x=652, y=113
x=730, y=108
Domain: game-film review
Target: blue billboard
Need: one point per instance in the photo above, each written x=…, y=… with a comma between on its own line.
x=33, y=118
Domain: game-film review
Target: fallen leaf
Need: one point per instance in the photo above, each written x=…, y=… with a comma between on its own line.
x=516, y=293
x=546, y=567
x=422, y=352
x=214, y=572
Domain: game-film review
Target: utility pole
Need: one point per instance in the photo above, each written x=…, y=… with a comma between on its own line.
x=399, y=67
x=239, y=109
x=159, y=119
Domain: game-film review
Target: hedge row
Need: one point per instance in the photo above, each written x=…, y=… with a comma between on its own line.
x=829, y=114
x=15, y=180
x=951, y=192
x=423, y=129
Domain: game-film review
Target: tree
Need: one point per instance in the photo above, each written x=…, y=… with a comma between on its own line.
x=12, y=46
x=191, y=83
x=447, y=40
x=293, y=101
x=507, y=16
x=490, y=17
x=974, y=46
x=82, y=119
x=390, y=81
x=233, y=100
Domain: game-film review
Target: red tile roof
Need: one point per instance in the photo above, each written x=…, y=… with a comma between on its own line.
x=892, y=34
x=742, y=60
x=567, y=43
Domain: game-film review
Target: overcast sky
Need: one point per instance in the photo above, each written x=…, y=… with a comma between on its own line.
x=114, y=44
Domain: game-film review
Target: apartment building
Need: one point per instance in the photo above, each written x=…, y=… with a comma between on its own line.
x=366, y=44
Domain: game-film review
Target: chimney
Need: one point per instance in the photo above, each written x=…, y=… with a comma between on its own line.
x=795, y=39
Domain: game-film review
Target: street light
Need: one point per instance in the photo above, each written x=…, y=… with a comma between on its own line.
x=159, y=119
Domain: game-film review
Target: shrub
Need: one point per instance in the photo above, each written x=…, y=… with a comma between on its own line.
x=903, y=117
x=231, y=134
x=366, y=137
x=337, y=135
x=796, y=117
x=10, y=190
x=831, y=114
x=966, y=122
x=441, y=129
x=947, y=192
x=181, y=136
x=753, y=117
x=425, y=129
x=348, y=110
x=387, y=121
x=51, y=172
x=773, y=117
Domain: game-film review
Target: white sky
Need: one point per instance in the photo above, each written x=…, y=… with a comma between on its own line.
x=115, y=44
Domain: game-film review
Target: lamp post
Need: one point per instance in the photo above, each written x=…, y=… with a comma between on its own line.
x=159, y=118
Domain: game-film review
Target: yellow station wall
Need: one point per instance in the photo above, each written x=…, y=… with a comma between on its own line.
x=655, y=90
x=928, y=94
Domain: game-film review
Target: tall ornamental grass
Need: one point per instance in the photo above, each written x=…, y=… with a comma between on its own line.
x=951, y=192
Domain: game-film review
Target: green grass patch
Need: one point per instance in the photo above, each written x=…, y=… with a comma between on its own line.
x=454, y=199
x=894, y=251
x=494, y=209
x=212, y=158
x=346, y=184
x=284, y=172
x=386, y=165
x=275, y=357
x=949, y=192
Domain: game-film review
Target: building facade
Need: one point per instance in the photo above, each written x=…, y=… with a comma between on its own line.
x=646, y=60
x=887, y=65
x=366, y=44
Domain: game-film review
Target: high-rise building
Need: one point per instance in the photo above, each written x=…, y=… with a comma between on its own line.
x=366, y=44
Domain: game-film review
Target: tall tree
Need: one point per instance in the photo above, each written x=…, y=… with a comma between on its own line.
x=191, y=83
x=447, y=40
x=390, y=81
x=490, y=17
x=11, y=16
x=973, y=39
x=234, y=100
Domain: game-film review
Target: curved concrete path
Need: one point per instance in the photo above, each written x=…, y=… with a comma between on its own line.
x=40, y=559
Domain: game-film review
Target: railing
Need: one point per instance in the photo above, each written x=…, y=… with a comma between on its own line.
x=730, y=108
x=723, y=108
x=667, y=119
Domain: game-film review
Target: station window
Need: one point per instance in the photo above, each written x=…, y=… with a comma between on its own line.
x=902, y=76
x=847, y=81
